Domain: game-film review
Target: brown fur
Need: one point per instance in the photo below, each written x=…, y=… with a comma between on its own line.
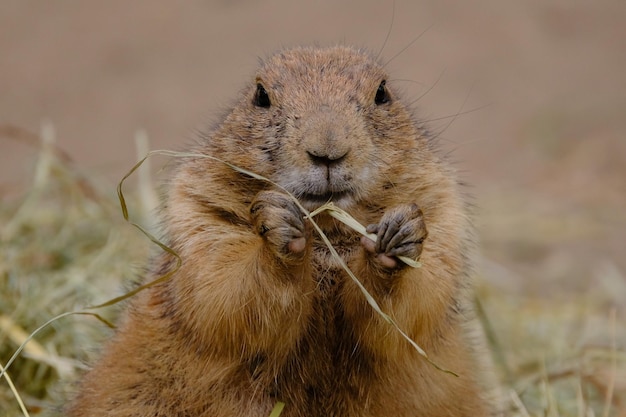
x=260, y=312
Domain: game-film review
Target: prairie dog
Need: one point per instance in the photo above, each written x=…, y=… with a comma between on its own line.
x=259, y=311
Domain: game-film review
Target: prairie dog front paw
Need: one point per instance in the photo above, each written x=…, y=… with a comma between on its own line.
x=400, y=232
x=277, y=218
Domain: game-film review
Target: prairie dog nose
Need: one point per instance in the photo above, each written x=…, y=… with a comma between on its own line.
x=325, y=137
x=327, y=156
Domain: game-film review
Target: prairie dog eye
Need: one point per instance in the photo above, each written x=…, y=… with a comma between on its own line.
x=382, y=96
x=261, y=98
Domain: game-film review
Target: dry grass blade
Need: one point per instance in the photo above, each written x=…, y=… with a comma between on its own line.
x=278, y=409
x=517, y=402
x=14, y=391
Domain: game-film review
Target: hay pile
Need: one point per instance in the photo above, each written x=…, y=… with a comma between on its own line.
x=65, y=246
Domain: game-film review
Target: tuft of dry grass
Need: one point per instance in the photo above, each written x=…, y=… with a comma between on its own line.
x=65, y=246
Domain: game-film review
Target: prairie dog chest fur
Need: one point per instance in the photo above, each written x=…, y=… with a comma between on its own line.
x=259, y=311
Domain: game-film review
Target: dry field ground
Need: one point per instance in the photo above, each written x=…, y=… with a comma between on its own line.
x=544, y=150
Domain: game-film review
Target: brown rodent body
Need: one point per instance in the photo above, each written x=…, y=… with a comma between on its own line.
x=259, y=311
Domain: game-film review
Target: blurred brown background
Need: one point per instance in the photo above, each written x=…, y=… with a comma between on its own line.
x=546, y=157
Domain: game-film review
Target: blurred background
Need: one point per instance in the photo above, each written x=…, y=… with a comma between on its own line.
x=540, y=85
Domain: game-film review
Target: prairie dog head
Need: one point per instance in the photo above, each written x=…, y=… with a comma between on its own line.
x=321, y=122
